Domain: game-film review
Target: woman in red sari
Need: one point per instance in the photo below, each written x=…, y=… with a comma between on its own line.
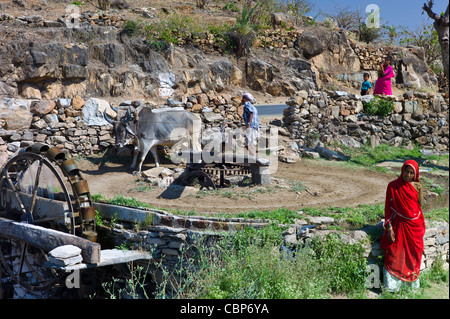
x=383, y=85
x=404, y=226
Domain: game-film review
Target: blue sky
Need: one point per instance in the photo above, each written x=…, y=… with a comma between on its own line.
x=392, y=12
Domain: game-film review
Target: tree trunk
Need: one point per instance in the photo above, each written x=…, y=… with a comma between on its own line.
x=441, y=24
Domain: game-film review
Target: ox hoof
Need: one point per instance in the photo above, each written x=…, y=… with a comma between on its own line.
x=136, y=173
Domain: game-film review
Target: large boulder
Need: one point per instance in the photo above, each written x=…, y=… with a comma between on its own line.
x=328, y=50
x=110, y=54
x=16, y=118
x=412, y=70
x=93, y=111
x=310, y=45
x=259, y=73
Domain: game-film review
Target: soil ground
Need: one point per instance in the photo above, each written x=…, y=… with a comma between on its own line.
x=306, y=183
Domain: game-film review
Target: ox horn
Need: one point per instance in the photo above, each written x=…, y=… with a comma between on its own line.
x=114, y=108
x=108, y=118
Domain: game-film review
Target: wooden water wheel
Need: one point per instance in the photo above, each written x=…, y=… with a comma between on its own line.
x=42, y=186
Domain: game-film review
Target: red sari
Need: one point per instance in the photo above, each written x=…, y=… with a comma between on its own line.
x=402, y=209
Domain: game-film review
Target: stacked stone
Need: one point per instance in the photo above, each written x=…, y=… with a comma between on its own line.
x=55, y=123
x=213, y=108
x=338, y=116
x=278, y=38
x=436, y=241
x=371, y=57
x=166, y=241
x=66, y=255
x=435, y=244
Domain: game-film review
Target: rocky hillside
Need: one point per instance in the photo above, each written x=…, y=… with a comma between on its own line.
x=42, y=58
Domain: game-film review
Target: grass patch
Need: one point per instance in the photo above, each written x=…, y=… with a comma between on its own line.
x=250, y=265
x=438, y=214
x=370, y=156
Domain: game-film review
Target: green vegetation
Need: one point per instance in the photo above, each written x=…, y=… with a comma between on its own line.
x=369, y=156
x=250, y=264
x=244, y=32
x=438, y=214
x=173, y=28
x=231, y=7
x=379, y=106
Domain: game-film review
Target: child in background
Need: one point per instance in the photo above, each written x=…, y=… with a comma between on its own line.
x=366, y=86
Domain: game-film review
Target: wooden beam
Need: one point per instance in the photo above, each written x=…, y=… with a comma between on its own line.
x=43, y=207
x=48, y=239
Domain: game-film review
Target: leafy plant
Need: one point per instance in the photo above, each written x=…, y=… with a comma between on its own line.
x=379, y=106
x=426, y=37
x=345, y=263
x=131, y=28
x=367, y=34
x=231, y=7
x=243, y=33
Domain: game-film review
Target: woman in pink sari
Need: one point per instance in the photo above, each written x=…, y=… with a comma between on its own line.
x=383, y=83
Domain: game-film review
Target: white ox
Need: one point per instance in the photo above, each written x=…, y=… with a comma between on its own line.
x=149, y=128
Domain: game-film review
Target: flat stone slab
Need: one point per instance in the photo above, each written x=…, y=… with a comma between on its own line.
x=108, y=257
x=65, y=251
x=321, y=220
x=65, y=261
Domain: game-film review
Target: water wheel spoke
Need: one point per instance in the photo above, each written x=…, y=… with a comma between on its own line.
x=22, y=259
x=36, y=186
x=16, y=193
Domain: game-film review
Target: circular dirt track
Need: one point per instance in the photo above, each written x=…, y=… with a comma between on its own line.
x=306, y=183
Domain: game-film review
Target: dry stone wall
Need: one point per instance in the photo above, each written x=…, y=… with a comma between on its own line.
x=79, y=126
x=173, y=238
x=310, y=117
x=330, y=116
x=436, y=240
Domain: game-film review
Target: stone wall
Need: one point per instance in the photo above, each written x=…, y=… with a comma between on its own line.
x=172, y=238
x=79, y=127
x=338, y=116
x=311, y=117
x=436, y=240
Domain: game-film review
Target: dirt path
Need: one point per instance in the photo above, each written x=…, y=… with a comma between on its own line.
x=327, y=184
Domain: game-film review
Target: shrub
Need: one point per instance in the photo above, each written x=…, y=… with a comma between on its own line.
x=131, y=28
x=345, y=263
x=379, y=106
x=243, y=34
